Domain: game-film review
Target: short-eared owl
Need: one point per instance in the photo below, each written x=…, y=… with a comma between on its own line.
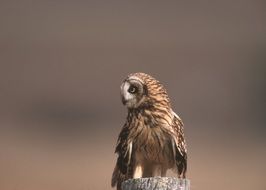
x=152, y=139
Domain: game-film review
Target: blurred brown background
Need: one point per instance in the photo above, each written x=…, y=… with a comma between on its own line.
x=61, y=66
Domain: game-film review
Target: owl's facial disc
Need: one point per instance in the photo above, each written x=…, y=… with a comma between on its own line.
x=132, y=92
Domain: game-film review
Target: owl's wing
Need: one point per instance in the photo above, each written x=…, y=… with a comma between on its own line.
x=180, y=150
x=124, y=151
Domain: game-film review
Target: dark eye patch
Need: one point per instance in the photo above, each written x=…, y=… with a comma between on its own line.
x=132, y=89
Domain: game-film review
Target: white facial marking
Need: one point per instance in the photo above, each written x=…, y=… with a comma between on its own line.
x=128, y=96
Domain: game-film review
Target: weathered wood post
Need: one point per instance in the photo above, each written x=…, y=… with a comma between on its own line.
x=156, y=183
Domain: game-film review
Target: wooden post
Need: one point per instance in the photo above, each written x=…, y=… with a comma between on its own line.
x=156, y=183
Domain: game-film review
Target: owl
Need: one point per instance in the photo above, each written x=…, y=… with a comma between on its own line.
x=152, y=138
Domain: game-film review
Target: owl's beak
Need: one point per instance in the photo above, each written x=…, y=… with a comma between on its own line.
x=124, y=100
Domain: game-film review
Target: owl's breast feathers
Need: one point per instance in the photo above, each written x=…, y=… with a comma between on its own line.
x=150, y=137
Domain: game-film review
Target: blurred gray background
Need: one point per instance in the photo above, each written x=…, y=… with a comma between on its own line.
x=61, y=66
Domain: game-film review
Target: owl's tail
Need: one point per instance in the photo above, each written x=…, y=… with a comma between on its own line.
x=117, y=178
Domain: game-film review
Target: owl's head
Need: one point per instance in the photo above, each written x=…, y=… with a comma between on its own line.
x=140, y=89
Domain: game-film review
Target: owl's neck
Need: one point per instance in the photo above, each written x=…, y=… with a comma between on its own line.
x=151, y=115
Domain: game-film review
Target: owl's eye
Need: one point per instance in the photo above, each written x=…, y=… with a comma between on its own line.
x=132, y=89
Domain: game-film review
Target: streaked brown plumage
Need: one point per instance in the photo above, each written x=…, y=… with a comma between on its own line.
x=152, y=139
